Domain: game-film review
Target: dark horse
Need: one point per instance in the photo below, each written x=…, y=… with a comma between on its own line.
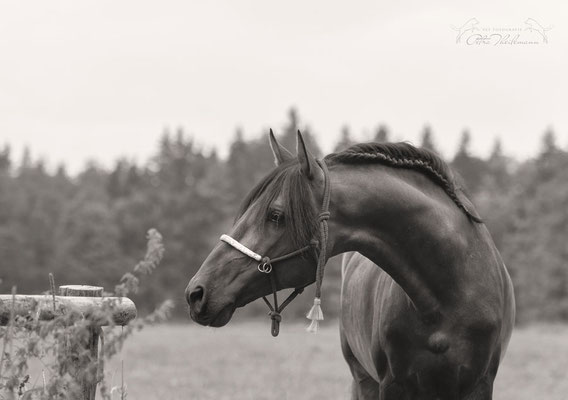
x=433, y=322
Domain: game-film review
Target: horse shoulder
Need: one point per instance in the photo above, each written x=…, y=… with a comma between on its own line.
x=364, y=288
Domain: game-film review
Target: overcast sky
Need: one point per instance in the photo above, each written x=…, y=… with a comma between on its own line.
x=101, y=79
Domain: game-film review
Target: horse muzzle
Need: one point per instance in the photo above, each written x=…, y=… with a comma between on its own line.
x=202, y=310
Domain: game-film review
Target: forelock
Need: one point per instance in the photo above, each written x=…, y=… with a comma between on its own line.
x=285, y=181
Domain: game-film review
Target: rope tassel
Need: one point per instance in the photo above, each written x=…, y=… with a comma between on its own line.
x=315, y=315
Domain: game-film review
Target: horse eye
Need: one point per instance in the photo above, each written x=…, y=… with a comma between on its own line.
x=277, y=217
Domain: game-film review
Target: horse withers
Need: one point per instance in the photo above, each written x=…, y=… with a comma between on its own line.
x=433, y=322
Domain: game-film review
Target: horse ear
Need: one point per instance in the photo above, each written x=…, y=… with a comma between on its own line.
x=307, y=161
x=280, y=153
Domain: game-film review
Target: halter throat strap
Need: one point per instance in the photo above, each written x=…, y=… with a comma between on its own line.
x=265, y=262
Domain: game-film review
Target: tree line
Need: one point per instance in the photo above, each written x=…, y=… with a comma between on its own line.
x=90, y=228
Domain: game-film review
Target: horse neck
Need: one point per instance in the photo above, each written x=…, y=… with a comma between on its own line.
x=404, y=223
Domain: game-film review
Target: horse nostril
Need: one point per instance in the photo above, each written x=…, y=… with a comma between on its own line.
x=195, y=296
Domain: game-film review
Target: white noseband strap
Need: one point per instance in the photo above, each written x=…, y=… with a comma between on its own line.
x=240, y=247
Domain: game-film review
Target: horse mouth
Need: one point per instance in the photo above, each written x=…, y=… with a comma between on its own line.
x=212, y=317
x=223, y=316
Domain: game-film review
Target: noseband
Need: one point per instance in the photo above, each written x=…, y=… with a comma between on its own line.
x=320, y=251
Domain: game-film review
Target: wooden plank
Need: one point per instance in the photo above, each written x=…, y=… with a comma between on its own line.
x=123, y=309
x=81, y=290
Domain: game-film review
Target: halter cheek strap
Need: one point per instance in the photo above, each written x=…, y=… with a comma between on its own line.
x=265, y=264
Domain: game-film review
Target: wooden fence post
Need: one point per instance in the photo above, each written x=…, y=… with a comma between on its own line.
x=85, y=356
x=83, y=300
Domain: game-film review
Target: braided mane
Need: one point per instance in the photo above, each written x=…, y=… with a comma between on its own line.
x=405, y=155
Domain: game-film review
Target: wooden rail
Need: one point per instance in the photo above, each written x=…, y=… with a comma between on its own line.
x=123, y=309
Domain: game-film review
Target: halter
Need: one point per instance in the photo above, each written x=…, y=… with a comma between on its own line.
x=320, y=250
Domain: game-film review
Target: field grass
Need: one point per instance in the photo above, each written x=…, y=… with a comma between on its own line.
x=242, y=361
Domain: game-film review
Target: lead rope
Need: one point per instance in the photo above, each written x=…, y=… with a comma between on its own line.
x=316, y=314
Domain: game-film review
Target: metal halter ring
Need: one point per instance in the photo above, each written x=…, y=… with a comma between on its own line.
x=265, y=268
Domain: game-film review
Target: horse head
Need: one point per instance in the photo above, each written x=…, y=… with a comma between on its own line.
x=277, y=219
